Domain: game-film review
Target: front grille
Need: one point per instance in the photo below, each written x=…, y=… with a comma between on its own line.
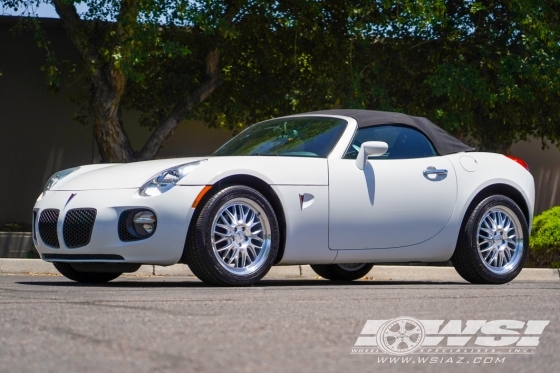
x=47, y=227
x=82, y=257
x=124, y=232
x=77, y=227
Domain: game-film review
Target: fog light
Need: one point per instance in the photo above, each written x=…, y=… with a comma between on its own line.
x=144, y=223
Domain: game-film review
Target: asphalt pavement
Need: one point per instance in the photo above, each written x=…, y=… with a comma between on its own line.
x=178, y=324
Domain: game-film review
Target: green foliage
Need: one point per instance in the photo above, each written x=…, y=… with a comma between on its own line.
x=486, y=70
x=545, y=235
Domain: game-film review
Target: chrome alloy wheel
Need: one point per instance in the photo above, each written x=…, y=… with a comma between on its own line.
x=241, y=236
x=352, y=266
x=500, y=240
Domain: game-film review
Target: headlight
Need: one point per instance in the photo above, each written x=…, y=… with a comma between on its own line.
x=54, y=179
x=167, y=179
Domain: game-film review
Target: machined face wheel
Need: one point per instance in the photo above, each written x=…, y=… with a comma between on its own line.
x=241, y=236
x=493, y=241
x=500, y=239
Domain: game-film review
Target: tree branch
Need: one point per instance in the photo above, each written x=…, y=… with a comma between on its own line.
x=209, y=84
x=75, y=29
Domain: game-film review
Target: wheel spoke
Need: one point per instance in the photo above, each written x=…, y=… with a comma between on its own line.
x=414, y=331
x=246, y=214
x=396, y=343
x=251, y=250
x=485, y=242
x=408, y=342
x=493, y=257
x=225, y=227
x=487, y=249
x=243, y=257
x=225, y=235
x=402, y=326
x=223, y=239
x=231, y=216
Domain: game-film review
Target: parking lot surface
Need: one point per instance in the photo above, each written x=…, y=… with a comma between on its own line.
x=177, y=324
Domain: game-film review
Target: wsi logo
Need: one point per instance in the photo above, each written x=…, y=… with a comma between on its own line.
x=406, y=335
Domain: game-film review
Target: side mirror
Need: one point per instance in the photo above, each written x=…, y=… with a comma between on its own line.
x=370, y=148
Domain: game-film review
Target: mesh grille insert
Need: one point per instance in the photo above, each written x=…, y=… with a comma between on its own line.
x=83, y=256
x=77, y=227
x=47, y=227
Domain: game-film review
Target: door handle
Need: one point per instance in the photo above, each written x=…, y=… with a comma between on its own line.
x=434, y=171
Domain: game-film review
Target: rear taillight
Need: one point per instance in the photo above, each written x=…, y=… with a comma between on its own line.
x=519, y=160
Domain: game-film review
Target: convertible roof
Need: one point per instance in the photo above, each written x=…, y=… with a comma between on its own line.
x=443, y=141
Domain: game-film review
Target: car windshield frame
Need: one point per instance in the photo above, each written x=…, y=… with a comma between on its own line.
x=298, y=136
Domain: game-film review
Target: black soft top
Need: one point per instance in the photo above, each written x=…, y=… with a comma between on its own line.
x=442, y=141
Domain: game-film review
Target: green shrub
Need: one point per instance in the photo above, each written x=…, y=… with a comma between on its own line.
x=546, y=230
x=545, y=240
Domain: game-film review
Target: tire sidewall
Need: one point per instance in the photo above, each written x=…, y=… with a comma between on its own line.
x=213, y=207
x=472, y=234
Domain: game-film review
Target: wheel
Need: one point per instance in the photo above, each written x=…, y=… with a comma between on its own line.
x=343, y=272
x=493, y=242
x=236, y=238
x=69, y=272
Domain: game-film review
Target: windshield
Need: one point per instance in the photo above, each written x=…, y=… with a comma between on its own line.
x=296, y=137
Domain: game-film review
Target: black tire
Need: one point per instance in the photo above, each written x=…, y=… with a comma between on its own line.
x=204, y=261
x=336, y=272
x=69, y=272
x=467, y=259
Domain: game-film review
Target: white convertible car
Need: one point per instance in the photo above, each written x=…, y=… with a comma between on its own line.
x=337, y=189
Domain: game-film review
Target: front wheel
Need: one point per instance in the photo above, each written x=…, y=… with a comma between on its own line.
x=342, y=272
x=493, y=242
x=236, y=238
x=68, y=271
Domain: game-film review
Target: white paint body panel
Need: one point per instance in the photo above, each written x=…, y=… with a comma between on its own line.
x=390, y=203
x=388, y=212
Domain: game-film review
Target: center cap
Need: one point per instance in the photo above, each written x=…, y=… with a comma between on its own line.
x=498, y=238
x=240, y=235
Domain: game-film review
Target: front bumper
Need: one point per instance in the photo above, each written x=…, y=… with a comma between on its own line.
x=173, y=210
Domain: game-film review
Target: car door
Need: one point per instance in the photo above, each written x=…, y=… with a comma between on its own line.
x=401, y=198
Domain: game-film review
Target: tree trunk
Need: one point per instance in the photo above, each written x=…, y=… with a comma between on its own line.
x=108, y=84
x=105, y=111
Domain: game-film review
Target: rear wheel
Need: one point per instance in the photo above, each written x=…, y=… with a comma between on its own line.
x=71, y=273
x=343, y=272
x=493, y=243
x=236, y=238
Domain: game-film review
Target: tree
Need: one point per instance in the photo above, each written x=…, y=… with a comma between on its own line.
x=165, y=58
x=483, y=70
x=486, y=71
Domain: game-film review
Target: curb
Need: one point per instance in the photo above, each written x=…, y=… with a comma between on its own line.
x=380, y=272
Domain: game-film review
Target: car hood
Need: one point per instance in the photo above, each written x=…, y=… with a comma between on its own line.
x=118, y=176
x=272, y=170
